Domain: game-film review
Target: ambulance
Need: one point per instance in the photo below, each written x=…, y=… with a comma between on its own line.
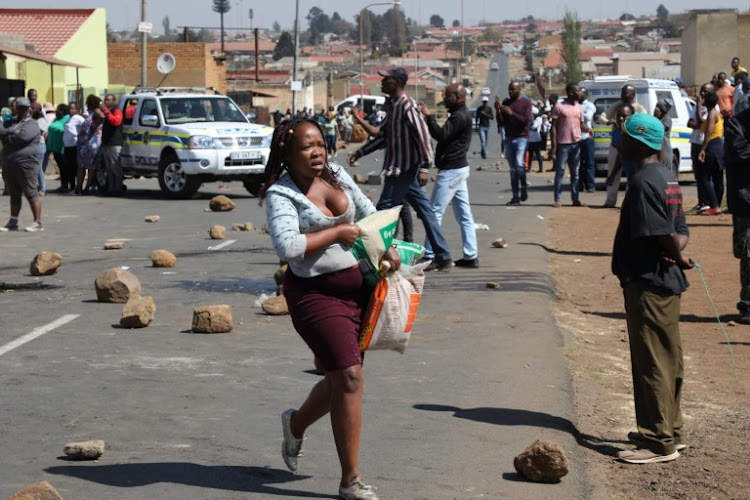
x=604, y=91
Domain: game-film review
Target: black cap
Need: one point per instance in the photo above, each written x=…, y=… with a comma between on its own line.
x=399, y=74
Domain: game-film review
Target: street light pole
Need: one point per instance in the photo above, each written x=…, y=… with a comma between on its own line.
x=144, y=41
x=395, y=3
x=462, y=42
x=296, y=49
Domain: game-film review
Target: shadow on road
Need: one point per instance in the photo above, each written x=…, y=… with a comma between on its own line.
x=568, y=252
x=456, y=280
x=685, y=318
x=220, y=477
x=515, y=417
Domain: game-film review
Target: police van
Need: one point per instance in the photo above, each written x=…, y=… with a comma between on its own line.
x=604, y=92
x=188, y=136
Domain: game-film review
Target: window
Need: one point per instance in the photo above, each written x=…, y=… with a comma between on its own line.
x=200, y=109
x=148, y=107
x=128, y=113
x=667, y=96
x=602, y=105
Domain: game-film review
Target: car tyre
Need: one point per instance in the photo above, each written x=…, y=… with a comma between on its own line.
x=102, y=179
x=173, y=181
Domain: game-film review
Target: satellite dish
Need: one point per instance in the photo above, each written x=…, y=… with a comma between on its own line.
x=664, y=49
x=165, y=64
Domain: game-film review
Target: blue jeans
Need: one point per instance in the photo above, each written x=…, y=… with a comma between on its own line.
x=451, y=188
x=570, y=154
x=42, y=182
x=515, y=153
x=587, y=179
x=483, y=138
x=405, y=187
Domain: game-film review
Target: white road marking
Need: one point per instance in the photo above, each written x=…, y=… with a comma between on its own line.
x=222, y=245
x=37, y=332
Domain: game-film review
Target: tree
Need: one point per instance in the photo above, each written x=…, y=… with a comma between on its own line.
x=490, y=35
x=222, y=7
x=284, y=47
x=627, y=17
x=395, y=21
x=662, y=13
x=436, y=21
x=319, y=23
x=456, y=23
x=166, y=25
x=571, y=47
x=276, y=26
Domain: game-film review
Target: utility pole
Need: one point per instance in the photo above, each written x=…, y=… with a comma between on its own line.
x=144, y=42
x=296, y=49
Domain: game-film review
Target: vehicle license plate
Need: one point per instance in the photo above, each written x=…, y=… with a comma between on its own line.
x=245, y=155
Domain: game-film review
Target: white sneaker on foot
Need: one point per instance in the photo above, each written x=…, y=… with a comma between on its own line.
x=358, y=491
x=291, y=448
x=37, y=226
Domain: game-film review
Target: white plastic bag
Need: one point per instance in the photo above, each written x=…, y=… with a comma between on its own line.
x=392, y=310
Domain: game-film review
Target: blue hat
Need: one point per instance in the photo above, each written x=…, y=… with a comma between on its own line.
x=645, y=128
x=399, y=74
x=678, y=80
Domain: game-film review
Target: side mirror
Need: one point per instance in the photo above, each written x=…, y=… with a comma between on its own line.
x=150, y=121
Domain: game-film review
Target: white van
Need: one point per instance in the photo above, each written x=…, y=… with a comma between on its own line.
x=604, y=91
x=366, y=104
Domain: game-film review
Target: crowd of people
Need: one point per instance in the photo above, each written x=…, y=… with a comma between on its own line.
x=81, y=144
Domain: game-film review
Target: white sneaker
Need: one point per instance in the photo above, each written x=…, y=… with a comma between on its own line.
x=291, y=448
x=358, y=491
x=37, y=226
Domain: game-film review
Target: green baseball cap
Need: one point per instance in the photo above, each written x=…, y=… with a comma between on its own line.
x=645, y=128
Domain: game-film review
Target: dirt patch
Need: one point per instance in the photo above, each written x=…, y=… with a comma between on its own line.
x=590, y=311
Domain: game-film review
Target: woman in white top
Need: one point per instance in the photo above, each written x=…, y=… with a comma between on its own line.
x=311, y=207
x=69, y=169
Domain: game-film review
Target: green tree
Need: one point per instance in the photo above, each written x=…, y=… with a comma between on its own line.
x=284, y=47
x=456, y=23
x=662, y=13
x=166, y=25
x=221, y=7
x=627, y=17
x=111, y=36
x=319, y=23
x=571, y=47
x=276, y=26
x=395, y=23
x=490, y=35
x=436, y=21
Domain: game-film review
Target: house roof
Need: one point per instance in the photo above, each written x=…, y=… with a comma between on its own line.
x=37, y=57
x=48, y=29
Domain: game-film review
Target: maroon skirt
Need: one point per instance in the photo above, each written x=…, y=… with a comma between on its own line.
x=327, y=312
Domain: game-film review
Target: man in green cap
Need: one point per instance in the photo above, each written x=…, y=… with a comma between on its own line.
x=647, y=258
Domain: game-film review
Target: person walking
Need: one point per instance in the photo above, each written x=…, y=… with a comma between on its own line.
x=484, y=116
x=567, y=124
x=89, y=155
x=587, y=177
x=696, y=143
x=711, y=155
x=514, y=113
x=332, y=133
x=407, y=162
x=20, y=160
x=648, y=260
x=112, y=139
x=535, y=139
x=69, y=173
x=311, y=208
x=453, y=141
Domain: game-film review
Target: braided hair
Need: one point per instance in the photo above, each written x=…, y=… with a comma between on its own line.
x=281, y=145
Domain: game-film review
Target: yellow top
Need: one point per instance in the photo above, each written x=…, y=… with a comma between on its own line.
x=718, y=130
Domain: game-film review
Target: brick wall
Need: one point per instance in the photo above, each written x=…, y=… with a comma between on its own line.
x=194, y=65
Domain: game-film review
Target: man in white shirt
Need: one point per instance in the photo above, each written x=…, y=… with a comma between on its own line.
x=69, y=170
x=696, y=143
x=587, y=175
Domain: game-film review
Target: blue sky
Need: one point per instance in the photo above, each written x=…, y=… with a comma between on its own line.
x=124, y=14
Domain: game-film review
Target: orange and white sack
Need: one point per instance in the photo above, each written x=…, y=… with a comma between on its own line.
x=392, y=310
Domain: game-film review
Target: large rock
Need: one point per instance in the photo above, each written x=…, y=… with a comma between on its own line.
x=116, y=285
x=217, y=232
x=542, y=462
x=499, y=243
x=163, y=258
x=221, y=204
x=114, y=245
x=275, y=306
x=45, y=263
x=152, y=218
x=212, y=319
x=38, y=491
x=85, y=450
x=138, y=312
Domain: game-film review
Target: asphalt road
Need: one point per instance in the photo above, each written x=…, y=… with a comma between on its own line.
x=197, y=416
x=497, y=81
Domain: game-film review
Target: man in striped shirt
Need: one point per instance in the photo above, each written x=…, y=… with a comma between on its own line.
x=407, y=162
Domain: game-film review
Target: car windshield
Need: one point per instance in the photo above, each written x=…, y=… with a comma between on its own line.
x=178, y=110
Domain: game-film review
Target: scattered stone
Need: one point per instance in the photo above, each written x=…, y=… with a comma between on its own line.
x=212, y=319
x=163, y=258
x=374, y=179
x=152, y=218
x=38, y=491
x=731, y=323
x=238, y=227
x=45, y=263
x=114, y=245
x=217, y=232
x=542, y=462
x=221, y=204
x=275, y=306
x=480, y=168
x=492, y=284
x=138, y=312
x=85, y=450
x=249, y=226
x=278, y=276
x=500, y=243
x=359, y=179
x=116, y=285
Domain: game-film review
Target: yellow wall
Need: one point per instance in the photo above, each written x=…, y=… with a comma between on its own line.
x=87, y=47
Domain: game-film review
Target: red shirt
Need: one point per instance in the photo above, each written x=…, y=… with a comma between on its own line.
x=113, y=117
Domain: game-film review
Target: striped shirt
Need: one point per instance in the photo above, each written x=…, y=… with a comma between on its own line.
x=405, y=137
